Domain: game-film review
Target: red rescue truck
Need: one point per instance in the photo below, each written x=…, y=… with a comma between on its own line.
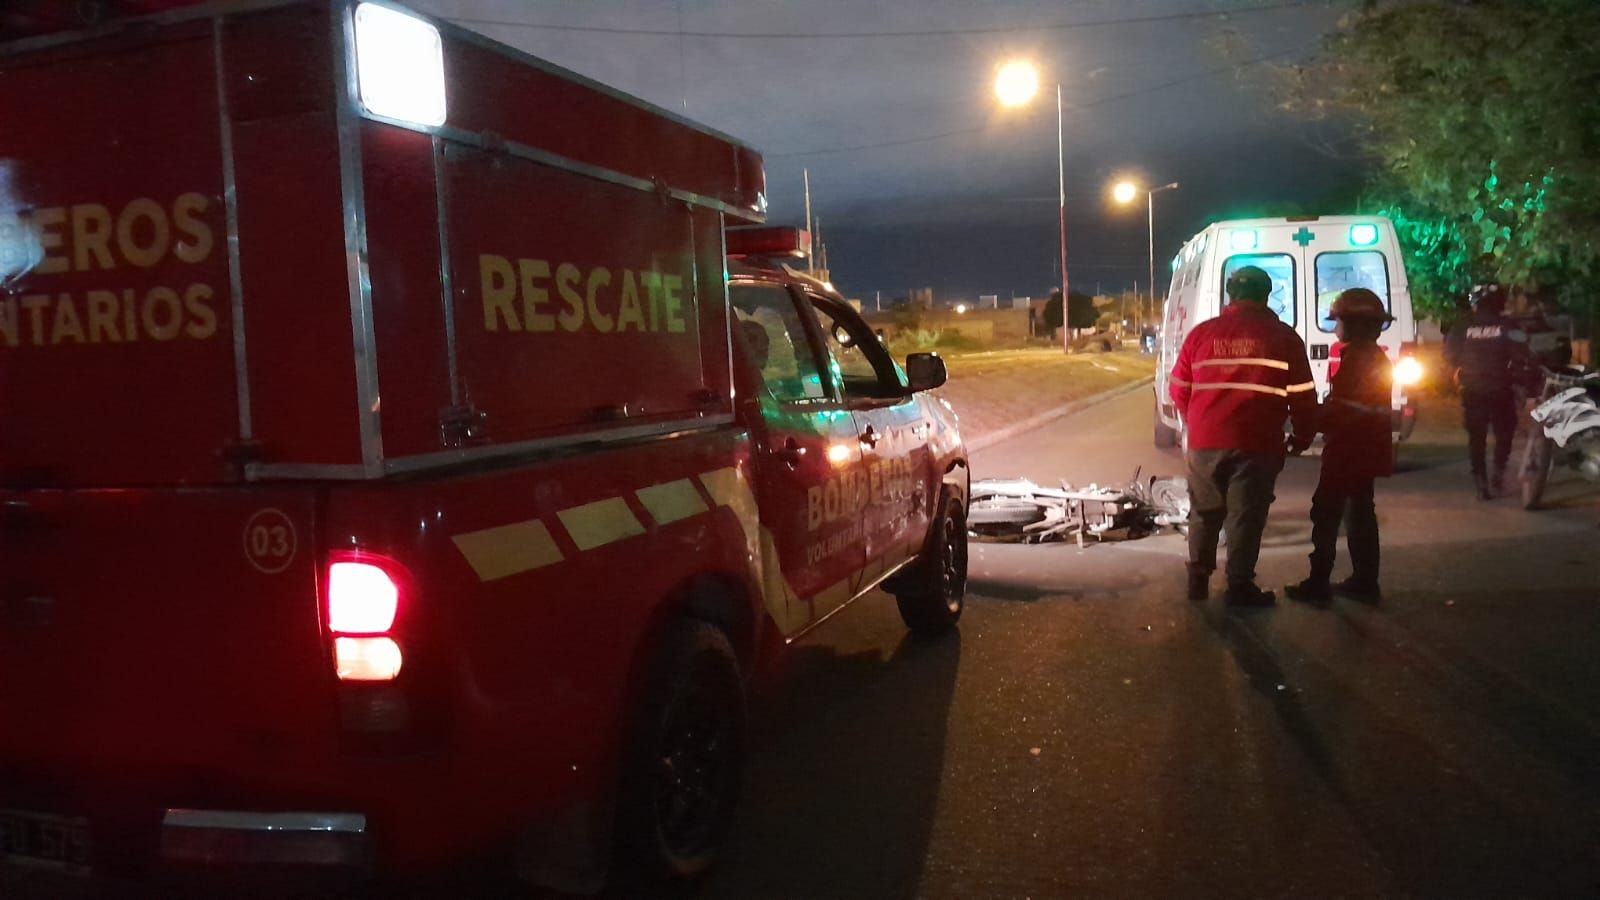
x=400, y=459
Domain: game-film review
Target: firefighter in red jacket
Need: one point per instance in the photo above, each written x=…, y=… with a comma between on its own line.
x=1237, y=378
x=1357, y=449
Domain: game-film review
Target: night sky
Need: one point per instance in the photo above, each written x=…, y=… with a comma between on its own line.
x=919, y=177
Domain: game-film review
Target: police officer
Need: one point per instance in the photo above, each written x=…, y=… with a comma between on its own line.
x=1487, y=353
x=1237, y=378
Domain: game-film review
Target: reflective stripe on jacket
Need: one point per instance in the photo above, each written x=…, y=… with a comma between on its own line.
x=1238, y=377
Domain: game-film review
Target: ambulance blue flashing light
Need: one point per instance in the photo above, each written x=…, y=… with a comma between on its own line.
x=1364, y=235
x=1243, y=239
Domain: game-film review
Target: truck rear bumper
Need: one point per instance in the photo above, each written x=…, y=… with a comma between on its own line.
x=226, y=837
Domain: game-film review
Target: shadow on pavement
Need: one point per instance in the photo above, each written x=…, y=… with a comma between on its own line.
x=845, y=765
x=1440, y=828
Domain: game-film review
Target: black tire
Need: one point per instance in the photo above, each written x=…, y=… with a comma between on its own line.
x=1165, y=438
x=932, y=597
x=684, y=759
x=1535, y=468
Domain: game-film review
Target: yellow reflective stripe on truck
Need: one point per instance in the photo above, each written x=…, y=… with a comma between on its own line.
x=671, y=501
x=601, y=522
x=508, y=549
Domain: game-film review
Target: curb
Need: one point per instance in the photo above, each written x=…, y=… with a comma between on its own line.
x=989, y=439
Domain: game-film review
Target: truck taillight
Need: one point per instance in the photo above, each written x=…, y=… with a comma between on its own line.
x=367, y=658
x=363, y=601
x=362, y=598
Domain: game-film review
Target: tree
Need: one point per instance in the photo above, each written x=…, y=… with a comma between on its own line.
x=1052, y=310
x=1081, y=312
x=1482, y=119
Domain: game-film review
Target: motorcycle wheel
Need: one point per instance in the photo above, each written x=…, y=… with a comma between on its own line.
x=1536, y=463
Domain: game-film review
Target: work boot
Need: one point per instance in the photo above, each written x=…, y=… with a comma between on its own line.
x=1498, y=483
x=1248, y=595
x=1363, y=590
x=1199, y=585
x=1313, y=590
x=1481, y=482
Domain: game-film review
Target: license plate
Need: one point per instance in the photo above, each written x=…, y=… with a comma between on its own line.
x=44, y=840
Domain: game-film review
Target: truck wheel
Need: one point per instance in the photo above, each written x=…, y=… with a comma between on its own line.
x=931, y=599
x=1535, y=469
x=1164, y=437
x=683, y=762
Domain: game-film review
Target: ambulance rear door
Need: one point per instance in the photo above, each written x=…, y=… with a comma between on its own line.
x=1337, y=254
x=1272, y=248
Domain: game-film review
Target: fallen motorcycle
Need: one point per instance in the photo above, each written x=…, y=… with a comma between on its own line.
x=1016, y=509
x=1568, y=432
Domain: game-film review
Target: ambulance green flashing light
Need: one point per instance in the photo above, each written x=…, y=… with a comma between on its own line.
x=1243, y=239
x=1363, y=235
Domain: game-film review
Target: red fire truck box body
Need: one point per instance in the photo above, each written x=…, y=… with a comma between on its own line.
x=356, y=442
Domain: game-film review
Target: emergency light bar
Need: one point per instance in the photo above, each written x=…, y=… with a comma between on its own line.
x=1243, y=239
x=1364, y=235
x=399, y=65
x=775, y=240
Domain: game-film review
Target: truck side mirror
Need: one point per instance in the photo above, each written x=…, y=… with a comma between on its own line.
x=925, y=371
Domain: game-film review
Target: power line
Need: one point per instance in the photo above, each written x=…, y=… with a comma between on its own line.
x=843, y=35
x=1071, y=107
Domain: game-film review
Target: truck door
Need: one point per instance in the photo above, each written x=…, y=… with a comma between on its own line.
x=809, y=486
x=901, y=482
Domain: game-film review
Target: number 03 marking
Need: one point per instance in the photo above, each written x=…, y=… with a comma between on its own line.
x=269, y=541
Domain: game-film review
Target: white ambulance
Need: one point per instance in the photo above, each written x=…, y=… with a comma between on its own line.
x=1311, y=260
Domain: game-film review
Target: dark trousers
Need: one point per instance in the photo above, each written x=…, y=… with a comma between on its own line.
x=1483, y=411
x=1349, y=500
x=1232, y=489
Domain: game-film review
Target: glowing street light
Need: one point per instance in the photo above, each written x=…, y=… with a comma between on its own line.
x=1016, y=84
x=1124, y=193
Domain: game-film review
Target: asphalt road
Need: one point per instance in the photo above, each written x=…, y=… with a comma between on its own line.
x=1091, y=733
x=1088, y=732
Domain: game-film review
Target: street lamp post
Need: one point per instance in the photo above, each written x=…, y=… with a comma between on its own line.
x=1124, y=193
x=1016, y=84
x=1150, y=211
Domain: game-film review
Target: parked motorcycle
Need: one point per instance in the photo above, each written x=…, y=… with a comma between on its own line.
x=1567, y=431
